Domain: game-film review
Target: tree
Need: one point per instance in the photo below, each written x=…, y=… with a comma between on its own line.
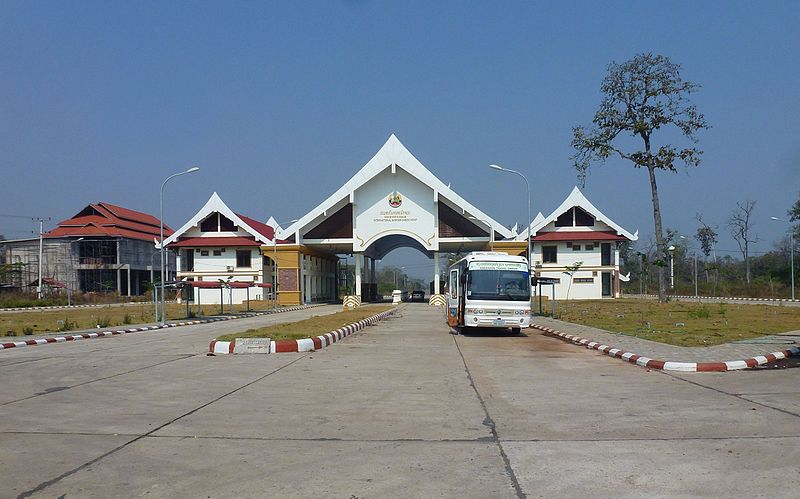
x=707, y=237
x=640, y=97
x=570, y=271
x=741, y=225
x=794, y=216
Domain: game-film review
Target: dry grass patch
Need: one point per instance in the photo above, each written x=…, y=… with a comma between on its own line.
x=313, y=326
x=682, y=323
x=39, y=321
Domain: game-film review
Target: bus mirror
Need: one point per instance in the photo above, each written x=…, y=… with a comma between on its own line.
x=534, y=280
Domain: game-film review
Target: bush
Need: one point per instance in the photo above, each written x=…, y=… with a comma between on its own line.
x=128, y=319
x=27, y=330
x=11, y=332
x=66, y=325
x=104, y=321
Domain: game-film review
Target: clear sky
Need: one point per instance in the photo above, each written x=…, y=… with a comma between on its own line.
x=280, y=103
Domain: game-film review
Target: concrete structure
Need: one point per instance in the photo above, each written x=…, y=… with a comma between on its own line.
x=103, y=248
x=577, y=232
x=216, y=245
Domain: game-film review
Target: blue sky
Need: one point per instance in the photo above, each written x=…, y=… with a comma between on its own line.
x=280, y=103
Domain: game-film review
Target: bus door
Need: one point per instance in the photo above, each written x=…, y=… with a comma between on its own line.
x=453, y=299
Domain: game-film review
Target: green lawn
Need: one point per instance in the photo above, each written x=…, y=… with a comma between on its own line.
x=313, y=326
x=682, y=323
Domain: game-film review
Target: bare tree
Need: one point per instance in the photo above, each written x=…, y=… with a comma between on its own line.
x=640, y=97
x=741, y=225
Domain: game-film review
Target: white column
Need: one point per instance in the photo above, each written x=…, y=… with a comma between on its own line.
x=358, y=258
x=436, y=289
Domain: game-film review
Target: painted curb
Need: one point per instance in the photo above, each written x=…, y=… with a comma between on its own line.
x=70, y=307
x=735, y=298
x=102, y=334
x=306, y=344
x=640, y=360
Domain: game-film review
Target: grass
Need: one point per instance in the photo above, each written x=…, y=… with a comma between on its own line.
x=38, y=321
x=313, y=326
x=683, y=323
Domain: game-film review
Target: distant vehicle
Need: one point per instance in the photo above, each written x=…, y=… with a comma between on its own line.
x=489, y=289
x=418, y=296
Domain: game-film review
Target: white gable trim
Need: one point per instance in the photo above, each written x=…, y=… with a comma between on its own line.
x=215, y=204
x=576, y=198
x=392, y=155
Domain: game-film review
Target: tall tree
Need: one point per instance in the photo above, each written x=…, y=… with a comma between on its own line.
x=640, y=97
x=741, y=225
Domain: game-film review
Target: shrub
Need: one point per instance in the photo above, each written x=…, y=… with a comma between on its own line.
x=128, y=319
x=66, y=325
x=11, y=332
x=700, y=313
x=104, y=321
x=27, y=330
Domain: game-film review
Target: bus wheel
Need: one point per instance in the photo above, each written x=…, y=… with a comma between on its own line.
x=515, y=330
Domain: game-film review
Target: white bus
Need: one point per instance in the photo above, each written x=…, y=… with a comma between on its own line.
x=489, y=289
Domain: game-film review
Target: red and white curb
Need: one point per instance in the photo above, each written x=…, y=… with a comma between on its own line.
x=70, y=307
x=102, y=334
x=306, y=344
x=731, y=365
x=734, y=298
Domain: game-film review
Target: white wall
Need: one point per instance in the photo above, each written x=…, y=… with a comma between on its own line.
x=590, y=269
x=215, y=267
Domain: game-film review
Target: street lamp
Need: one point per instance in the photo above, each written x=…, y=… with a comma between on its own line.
x=791, y=247
x=528, y=186
x=161, y=239
x=694, y=268
x=671, y=268
x=491, y=231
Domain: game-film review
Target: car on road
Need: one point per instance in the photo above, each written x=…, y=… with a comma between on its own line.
x=418, y=296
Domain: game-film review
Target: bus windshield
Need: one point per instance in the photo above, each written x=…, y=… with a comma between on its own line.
x=511, y=285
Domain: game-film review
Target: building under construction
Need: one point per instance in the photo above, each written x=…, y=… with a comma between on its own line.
x=104, y=249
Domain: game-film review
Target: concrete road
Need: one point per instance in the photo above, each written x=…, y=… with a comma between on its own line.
x=401, y=409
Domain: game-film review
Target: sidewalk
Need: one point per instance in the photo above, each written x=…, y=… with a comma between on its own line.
x=725, y=357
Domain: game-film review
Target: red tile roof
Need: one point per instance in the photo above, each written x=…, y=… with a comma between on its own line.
x=262, y=228
x=108, y=220
x=594, y=235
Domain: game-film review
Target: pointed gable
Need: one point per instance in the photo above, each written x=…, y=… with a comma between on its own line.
x=577, y=218
x=219, y=221
x=392, y=155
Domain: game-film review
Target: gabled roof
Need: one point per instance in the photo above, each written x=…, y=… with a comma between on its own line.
x=259, y=231
x=108, y=220
x=394, y=154
x=576, y=198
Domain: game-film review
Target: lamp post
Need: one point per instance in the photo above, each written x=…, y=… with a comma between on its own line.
x=694, y=267
x=528, y=186
x=161, y=238
x=491, y=231
x=791, y=248
x=671, y=268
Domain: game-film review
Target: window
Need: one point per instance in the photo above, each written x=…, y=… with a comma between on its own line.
x=583, y=219
x=577, y=247
x=454, y=283
x=243, y=258
x=549, y=254
x=226, y=224
x=565, y=219
x=210, y=224
x=605, y=254
x=203, y=252
x=217, y=252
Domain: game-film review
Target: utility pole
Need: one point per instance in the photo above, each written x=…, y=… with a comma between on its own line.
x=41, y=254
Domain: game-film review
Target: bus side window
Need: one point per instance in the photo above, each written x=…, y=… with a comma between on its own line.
x=454, y=283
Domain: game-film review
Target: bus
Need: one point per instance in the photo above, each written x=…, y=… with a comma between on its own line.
x=490, y=290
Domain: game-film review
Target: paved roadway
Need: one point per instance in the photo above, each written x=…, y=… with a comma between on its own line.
x=400, y=409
